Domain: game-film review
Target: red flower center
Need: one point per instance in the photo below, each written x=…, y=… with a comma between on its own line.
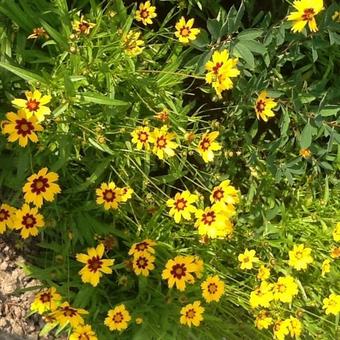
x=209, y=218
x=118, y=317
x=161, y=142
x=178, y=270
x=29, y=221
x=24, y=127
x=205, y=144
x=109, y=195
x=142, y=262
x=218, y=194
x=185, y=31
x=212, y=288
x=39, y=185
x=141, y=246
x=4, y=215
x=308, y=14
x=143, y=137
x=260, y=105
x=45, y=297
x=83, y=26
x=190, y=314
x=84, y=336
x=298, y=254
x=281, y=288
x=32, y=105
x=69, y=312
x=217, y=67
x=94, y=264
x=181, y=204
x=144, y=13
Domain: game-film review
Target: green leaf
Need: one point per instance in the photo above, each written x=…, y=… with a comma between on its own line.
x=91, y=97
x=243, y=52
x=306, y=136
x=249, y=34
x=62, y=41
x=214, y=28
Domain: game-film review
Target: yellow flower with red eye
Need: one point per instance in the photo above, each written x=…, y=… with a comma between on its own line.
x=300, y=257
x=34, y=104
x=280, y=329
x=264, y=106
x=185, y=32
x=263, y=320
x=143, y=264
x=83, y=332
x=285, y=289
x=41, y=186
x=146, y=13
x=28, y=221
x=331, y=304
x=144, y=247
x=46, y=300
x=192, y=314
x=7, y=217
x=207, y=146
x=95, y=265
x=132, y=45
x=262, y=295
x=118, y=318
x=182, y=205
x=224, y=194
x=247, y=259
x=21, y=128
x=126, y=194
x=38, y=32
x=163, y=144
x=212, y=288
x=305, y=13
x=335, y=252
x=66, y=314
x=109, y=195
x=82, y=26
x=142, y=137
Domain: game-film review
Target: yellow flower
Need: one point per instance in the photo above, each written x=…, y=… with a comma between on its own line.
x=163, y=144
x=144, y=247
x=332, y=304
x=141, y=136
x=207, y=146
x=20, y=127
x=143, y=264
x=181, y=205
x=95, y=265
x=300, y=257
x=263, y=320
x=199, y=266
x=46, y=301
x=126, y=194
x=212, y=288
x=263, y=273
x=28, y=220
x=220, y=71
x=305, y=153
x=109, y=195
x=336, y=16
x=264, y=106
x=191, y=314
x=224, y=194
x=40, y=187
x=82, y=26
x=325, y=267
x=280, y=329
x=83, y=332
x=38, y=32
x=294, y=327
x=285, y=289
x=213, y=222
x=162, y=116
x=262, y=295
x=118, y=318
x=146, y=13
x=132, y=44
x=7, y=217
x=335, y=252
x=306, y=10
x=139, y=321
x=247, y=259
x=336, y=232
x=34, y=104
x=66, y=314
x=185, y=32
x=179, y=271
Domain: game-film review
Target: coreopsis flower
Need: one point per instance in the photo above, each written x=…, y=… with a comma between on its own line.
x=335, y=252
x=264, y=106
x=141, y=136
x=163, y=144
x=126, y=194
x=139, y=321
x=21, y=128
x=118, y=318
x=185, y=32
x=261, y=295
x=294, y=327
x=263, y=273
x=178, y=271
x=207, y=146
x=285, y=289
x=28, y=221
x=46, y=300
x=143, y=264
x=38, y=32
x=212, y=288
x=7, y=217
x=34, y=104
x=247, y=259
x=220, y=71
x=336, y=232
x=192, y=314
x=95, y=265
x=300, y=257
x=82, y=26
x=213, y=222
x=224, y=194
x=162, y=116
x=144, y=247
x=146, y=13
x=263, y=320
x=306, y=10
x=331, y=304
x=66, y=314
x=83, y=332
x=182, y=205
x=132, y=45
x=199, y=266
x=325, y=267
x=305, y=153
x=280, y=329
x=336, y=16
x=41, y=186
x=109, y=195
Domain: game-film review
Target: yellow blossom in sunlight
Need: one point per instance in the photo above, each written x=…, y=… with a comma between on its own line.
x=224, y=194
x=285, y=289
x=146, y=13
x=207, y=146
x=7, y=217
x=66, y=314
x=142, y=248
x=294, y=327
x=118, y=318
x=83, y=332
x=263, y=273
x=143, y=264
x=141, y=136
x=182, y=205
x=335, y=252
x=132, y=45
x=212, y=288
x=82, y=26
x=263, y=320
x=262, y=295
x=185, y=32
x=46, y=300
x=331, y=304
x=264, y=106
x=305, y=153
x=280, y=329
x=163, y=144
x=300, y=257
x=247, y=259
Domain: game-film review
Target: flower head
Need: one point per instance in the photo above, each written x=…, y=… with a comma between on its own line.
x=191, y=314
x=7, y=217
x=207, y=146
x=264, y=106
x=144, y=247
x=46, y=300
x=306, y=10
x=163, y=144
x=212, y=288
x=336, y=233
x=305, y=153
x=335, y=252
x=146, y=13
x=28, y=221
x=38, y=32
x=66, y=314
x=331, y=304
x=224, y=194
x=109, y=195
x=182, y=205
x=294, y=327
x=280, y=329
x=126, y=194
x=300, y=257
x=83, y=332
x=247, y=259
x=82, y=26
x=143, y=264
x=95, y=265
x=262, y=295
x=141, y=136
x=285, y=289
x=263, y=273
x=118, y=318
x=185, y=32
x=263, y=320
x=34, y=104
x=162, y=116
x=132, y=45
x=325, y=267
